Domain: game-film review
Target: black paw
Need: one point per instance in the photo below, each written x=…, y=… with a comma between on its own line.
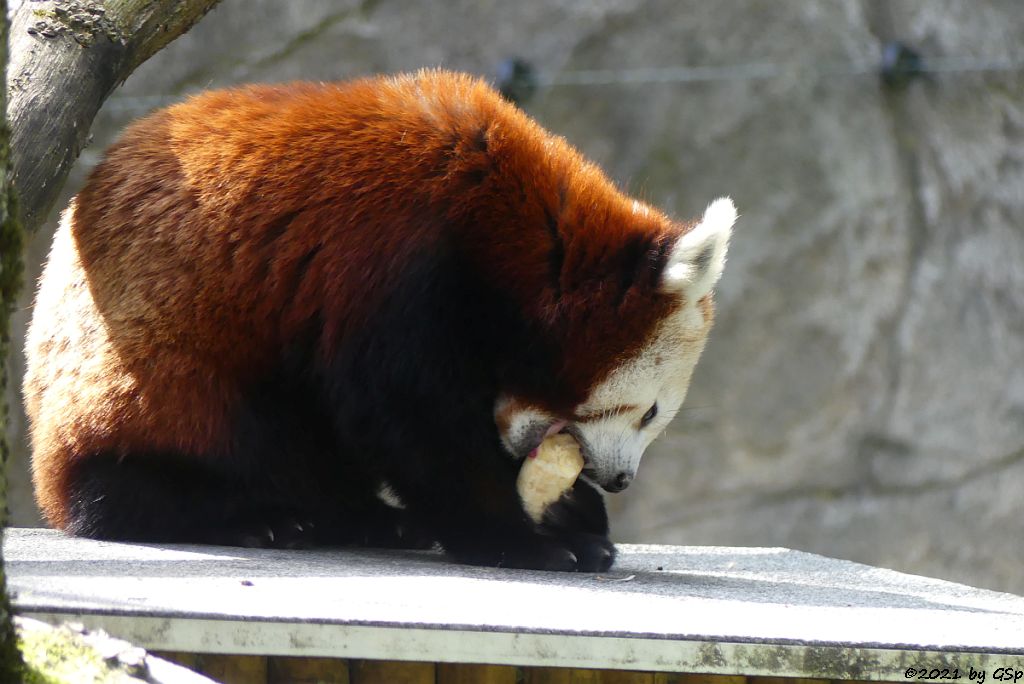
x=382, y=527
x=580, y=553
x=284, y=532
x=594, y=553
x=538, y=554
x=579, y=521
x=411, y=535
x=397, y=531
x=544, y=556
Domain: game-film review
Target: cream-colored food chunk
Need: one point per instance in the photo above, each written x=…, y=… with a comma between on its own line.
x=548, y=473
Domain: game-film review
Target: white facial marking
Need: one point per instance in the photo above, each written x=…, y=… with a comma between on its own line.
x=659, y=374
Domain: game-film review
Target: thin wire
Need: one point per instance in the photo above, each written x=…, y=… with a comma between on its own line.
x=697, y=74
x=946, y=65
x=765, y=70
x=757, y=71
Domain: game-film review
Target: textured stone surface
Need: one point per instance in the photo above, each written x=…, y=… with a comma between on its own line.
x=862, y=395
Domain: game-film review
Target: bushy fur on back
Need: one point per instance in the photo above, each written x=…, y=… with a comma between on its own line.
x=269, y=302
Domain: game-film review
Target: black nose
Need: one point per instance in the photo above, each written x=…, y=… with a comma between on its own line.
x=620, y=482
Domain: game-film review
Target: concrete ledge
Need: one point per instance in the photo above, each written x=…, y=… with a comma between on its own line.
x=749, y=611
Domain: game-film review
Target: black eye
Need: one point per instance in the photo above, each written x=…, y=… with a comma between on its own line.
x=649, y=416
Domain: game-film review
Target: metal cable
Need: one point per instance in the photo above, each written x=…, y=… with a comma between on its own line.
x=903, y=62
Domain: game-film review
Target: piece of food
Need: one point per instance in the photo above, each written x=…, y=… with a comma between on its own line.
x=548, y=472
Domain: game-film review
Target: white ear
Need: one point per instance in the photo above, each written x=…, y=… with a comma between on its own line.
x=696, y=261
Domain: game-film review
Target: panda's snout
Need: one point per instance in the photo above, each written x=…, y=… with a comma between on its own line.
x=616, y=483
x=619, y=482
x=608, y=464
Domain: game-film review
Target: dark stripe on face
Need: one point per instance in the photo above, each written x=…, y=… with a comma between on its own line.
x=607, y=413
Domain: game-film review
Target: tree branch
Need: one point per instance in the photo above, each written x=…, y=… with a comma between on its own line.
x=66, y=56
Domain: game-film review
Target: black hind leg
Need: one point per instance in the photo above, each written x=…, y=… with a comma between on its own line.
x=157, y=498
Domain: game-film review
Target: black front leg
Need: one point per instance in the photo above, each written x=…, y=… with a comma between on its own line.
x=412, y=393
x=580, y=520
x=476, y=514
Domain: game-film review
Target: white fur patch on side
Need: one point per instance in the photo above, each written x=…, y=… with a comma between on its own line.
x=697, y=259
x=387, y=495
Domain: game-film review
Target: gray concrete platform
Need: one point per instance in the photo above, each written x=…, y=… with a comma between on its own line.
x=751, y=611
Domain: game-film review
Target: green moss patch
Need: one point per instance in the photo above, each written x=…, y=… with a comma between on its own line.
x=60, y=655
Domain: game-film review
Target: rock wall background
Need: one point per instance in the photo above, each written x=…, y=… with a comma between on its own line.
x=862, y=395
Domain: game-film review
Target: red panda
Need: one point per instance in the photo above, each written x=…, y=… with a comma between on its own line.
x=269, y=303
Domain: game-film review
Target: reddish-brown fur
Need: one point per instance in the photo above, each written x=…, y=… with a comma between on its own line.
x=166, y=291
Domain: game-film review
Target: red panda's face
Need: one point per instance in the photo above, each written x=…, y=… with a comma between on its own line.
x=635, y=401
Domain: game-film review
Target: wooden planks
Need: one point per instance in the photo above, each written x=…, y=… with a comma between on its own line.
x=287, y=670
x=391, y=672
x=226, y=669
x=458, y=673
x=243, y=669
